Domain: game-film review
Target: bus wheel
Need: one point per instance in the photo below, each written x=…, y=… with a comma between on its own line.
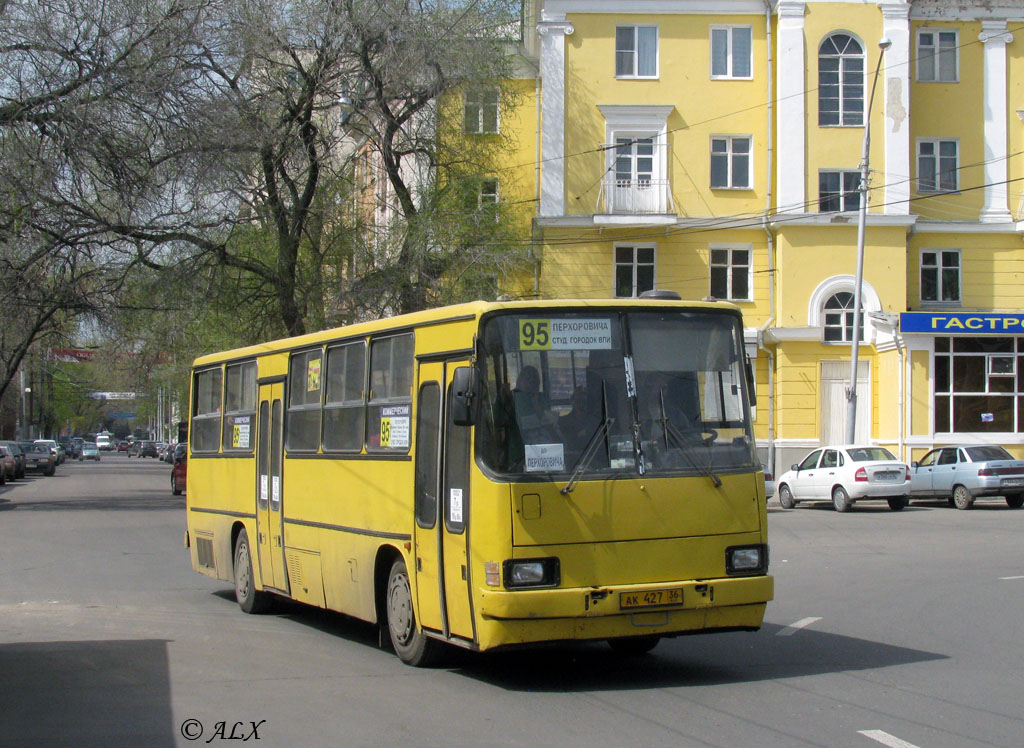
x=249, y=599
x=634, y=645
x=412, y=646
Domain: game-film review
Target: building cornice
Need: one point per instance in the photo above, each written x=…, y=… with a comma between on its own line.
x=657, y=7
x=839, y=220
x=957, y=227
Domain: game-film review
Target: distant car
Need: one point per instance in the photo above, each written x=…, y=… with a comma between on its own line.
x=147, y=449
x=846, y=474
x=178, y=475
x=55, y=449
x=8, y=465
x=19, y=457
x=962, y=474
x=90, y=452
x=769, y=484
x=39, y=457
x=104, y=443
x=122, y=446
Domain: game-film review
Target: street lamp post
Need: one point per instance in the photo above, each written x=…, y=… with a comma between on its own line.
x=862, y=217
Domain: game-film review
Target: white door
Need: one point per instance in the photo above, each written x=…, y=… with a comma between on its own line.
x=835, y=376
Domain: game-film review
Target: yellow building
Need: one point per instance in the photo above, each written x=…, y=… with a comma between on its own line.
x=713, y=148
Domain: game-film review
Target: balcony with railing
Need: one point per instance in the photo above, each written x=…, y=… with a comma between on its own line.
x=634, y=185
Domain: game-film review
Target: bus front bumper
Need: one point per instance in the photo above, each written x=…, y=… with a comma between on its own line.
x=521, y=616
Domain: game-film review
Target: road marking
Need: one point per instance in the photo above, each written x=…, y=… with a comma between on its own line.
x=886, y=739
x=1003, y=579
x=794, y=627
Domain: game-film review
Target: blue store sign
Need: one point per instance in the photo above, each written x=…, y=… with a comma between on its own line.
x=961, y=323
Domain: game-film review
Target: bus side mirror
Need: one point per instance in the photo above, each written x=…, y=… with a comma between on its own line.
x=464, y=391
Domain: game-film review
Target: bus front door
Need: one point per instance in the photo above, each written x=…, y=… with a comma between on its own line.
x=269, y=524
x=442, y=508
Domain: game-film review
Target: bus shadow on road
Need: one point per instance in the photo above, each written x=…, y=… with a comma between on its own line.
x=702, y=660
x=86, y=693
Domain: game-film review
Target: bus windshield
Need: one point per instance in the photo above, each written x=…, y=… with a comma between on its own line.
x=614, y=392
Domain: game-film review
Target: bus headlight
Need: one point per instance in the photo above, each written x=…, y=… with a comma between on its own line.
x=746, y=559
x=532, y=572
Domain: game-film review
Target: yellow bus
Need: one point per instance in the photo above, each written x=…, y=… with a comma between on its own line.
x=490, y=474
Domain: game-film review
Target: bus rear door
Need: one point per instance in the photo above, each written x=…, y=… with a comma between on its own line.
x=269, y=524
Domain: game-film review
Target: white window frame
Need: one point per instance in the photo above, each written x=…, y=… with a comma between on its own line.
x=635, y=246
x=730, y=59
x=847, y=322
x=635, y=75
x=730, y=248
x=844, y=113
x=485, y=197
x=933, y=57
x=730, y=154
x=842, y=192
x=939, y=301
x=936, y=144
x=478, y=100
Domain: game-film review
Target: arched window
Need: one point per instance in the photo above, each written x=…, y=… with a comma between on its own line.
x=840, y=81
x=839, y=318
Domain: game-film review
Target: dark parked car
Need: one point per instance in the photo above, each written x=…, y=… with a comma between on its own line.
x=8, y=467
x=178, y=474
x=147, y=449
x=38, y=457
x=19, y=457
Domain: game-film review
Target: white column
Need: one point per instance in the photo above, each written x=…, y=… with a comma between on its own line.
x=552, y=73
x=995, y=37
x=896, y=96
x=791, y=114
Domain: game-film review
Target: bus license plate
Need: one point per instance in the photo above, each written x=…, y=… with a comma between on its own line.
x=651, y=598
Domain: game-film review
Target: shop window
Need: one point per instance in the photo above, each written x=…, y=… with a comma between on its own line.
x=979, y=387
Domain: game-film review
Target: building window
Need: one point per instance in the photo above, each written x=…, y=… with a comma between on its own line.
x=838, y=191
x=481, y=113
x=979, y=385
x=840, y=81
x=940, y=276
x=730, y=52
x=938, y=163
x=634, y=271
x=636, y=51
x=730, y=163
x=838, y=313
x=937, y=56
x=730, y=273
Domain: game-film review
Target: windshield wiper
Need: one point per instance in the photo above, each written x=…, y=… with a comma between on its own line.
x=673, y=432
x=600, y=434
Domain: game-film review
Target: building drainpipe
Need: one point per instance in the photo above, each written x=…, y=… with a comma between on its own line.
x=768, y=234
x=902, y=385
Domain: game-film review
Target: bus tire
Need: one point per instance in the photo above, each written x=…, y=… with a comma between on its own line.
x=250, y=600
x=412, y=646
x=632, y=646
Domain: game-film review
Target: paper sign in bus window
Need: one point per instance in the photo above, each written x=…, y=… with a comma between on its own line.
x=313, y=375
x=544, y=457
x=240, y=433
x=591, y=333
x=394, y=426
x=455, y=505
x=263, y=488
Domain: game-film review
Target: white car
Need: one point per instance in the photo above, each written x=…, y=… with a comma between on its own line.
x=845, y=474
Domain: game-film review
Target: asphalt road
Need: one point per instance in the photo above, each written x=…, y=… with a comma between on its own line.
x=898, y=629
